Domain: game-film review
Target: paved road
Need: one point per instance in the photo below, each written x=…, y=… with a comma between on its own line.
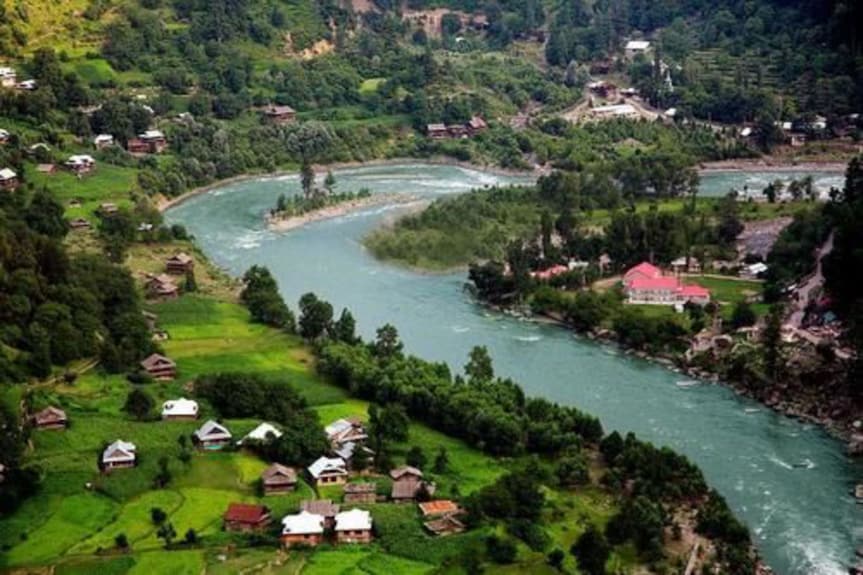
x=810, y=286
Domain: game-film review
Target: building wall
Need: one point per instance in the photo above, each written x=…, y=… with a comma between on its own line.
x=354, y=536
x=311, y=540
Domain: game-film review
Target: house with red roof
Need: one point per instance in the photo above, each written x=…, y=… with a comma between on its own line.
x=646, y=284
x=246, y=517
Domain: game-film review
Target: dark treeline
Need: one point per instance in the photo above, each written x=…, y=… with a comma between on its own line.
x=242, y=395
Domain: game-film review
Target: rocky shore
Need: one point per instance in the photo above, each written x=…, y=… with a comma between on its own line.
x=827, y=412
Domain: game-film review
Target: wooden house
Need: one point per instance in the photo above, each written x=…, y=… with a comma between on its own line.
x=360, y=493
x=443, y=526
x=180, y=264
x=263, y=433
x=304, y=528
x=150, y=142
x=354, y=526
x=457, y=131
x=79, y=224
x=4, y=136
x=278, y=479
x=47, y=169
x=162, y=286
x=159, y=367
x=244, y=517
x=406, y=473
x=50, y=418
x=120, y=454
x=102, y=141
x=212, y=436
x=323, y=507
x=437, y=131
x=346, y=430
x=8, y=179
x=279, y=114
x=438, y=508
x=408, y=485
x=108, y=209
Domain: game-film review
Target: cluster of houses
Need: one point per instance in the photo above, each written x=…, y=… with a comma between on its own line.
x=278, y=115
x=317, y=521
x=647, y=284
x=474, y=126
x=164, y=285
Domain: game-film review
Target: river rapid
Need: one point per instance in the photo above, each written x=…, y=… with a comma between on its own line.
x=787, y=480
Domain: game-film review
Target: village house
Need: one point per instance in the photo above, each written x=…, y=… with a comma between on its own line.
x=328, y=471
x=360, y=493
x=346, y=430
x=437, y=131
x=264, y=432
x=4, y=136
x=120, y=454
x=279, y=114
x=753, y=271
x=183, y=409
x=304, y=528
x=27, y=85
x=323, y=507
x=158, y=366
x=80, y=164
x=347, y=451
x=438, y=508
x=150, y=142
x=548, y=273
x=180, y=264
x=354, y=526
x=634, y=48
x=50, y=418
x=646, y=284
x=46, y=169
x=79, y=224
x=8, y=77
x=212, y=436
x=602, y=89
x=245, y=517
x=684, y=265
x=162, y=286
x=443, y=526
x=277, y=479
x=8, y=179
x=408, y=485
x=2, y=473
x=406, y=473
x=476, y=125
x=457, y=131
x=102, y=141
x=108, y=209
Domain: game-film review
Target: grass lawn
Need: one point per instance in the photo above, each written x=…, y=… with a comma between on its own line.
x=174, y=562
x=362, y=560
x=106, y=183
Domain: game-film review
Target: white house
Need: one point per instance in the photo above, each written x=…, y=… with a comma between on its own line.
x=8, y=179
x=328, y=471
x=263, y=432
x=28, y=85
x=180, y=409
x=4, y=136
x=354, y=526
x=8, y=77
x=119, y=454
x=754, y=270
x=303, y=528
x=635, y=47
x=103, y=141
x=81, y=163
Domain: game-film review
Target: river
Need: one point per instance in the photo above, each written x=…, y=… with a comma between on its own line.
x=787, y=480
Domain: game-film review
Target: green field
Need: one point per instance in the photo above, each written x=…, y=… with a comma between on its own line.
x=71, y=526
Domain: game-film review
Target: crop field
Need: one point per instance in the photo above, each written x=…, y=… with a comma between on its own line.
x=73, y=521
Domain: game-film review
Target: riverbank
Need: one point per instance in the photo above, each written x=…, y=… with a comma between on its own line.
x=804, y=410
x=164, y=203
x=279, y=223
x=769, y=164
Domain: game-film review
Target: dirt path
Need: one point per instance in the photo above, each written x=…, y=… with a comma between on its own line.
x=811, y=285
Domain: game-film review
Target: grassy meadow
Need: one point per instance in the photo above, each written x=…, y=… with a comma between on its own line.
x=71, y=524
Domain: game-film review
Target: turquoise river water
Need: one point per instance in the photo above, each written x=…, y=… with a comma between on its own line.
x=787, y=480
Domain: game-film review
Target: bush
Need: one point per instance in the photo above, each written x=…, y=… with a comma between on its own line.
x=501, y=550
